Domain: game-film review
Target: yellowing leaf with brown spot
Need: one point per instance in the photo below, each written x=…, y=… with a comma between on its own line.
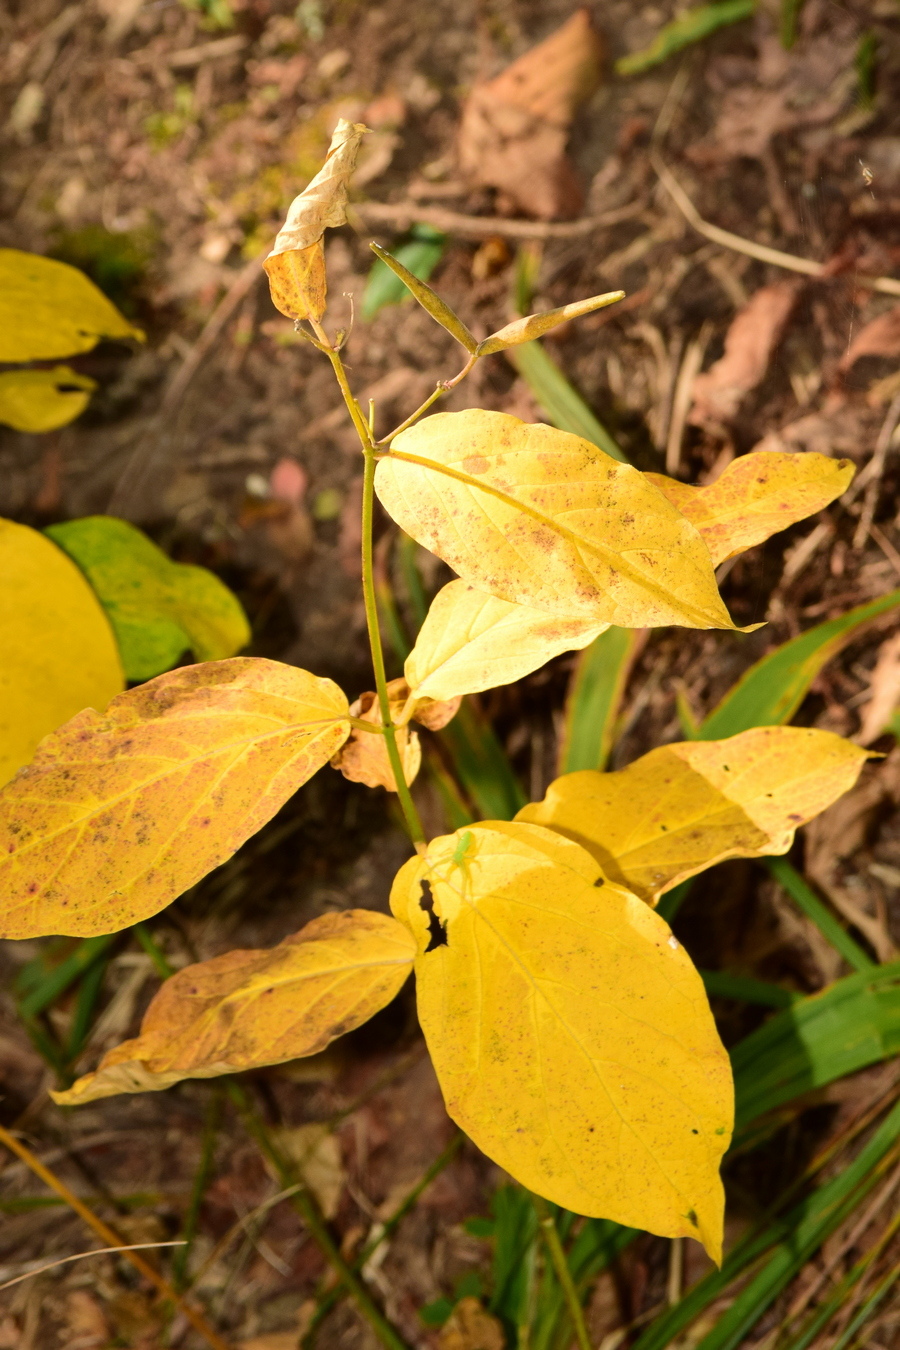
x=118, y=813
x=756, y=496
x=472, y=641
x=570, y=1032
x=296, y=264
x=540, y=517
x=683, y=807
x=59, y=653
x=250, y=1008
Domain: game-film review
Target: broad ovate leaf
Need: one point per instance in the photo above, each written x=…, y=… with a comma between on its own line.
x=158, y=609
x=756, y=496
x=250, y=1008
x=49, y=309
x=540, y=517
x=532, y=326
x=42, y=400
x=59, y=653
x=119, y=813
x=570, y=1032
x=682, y=807
x=296, y=264
x=472, y=641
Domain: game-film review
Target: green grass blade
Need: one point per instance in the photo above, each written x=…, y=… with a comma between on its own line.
x=720, y=984
x=671, y=902
x=47, y=989
x=594, y=699
x=805, y=897
x=515, y=1238
x=691, y=27
x=565, y=407
x=852, y=1023
x=794, y=1238
x=771, y=691
x=85, y=1005
x=481, y=765
x=869, y=1307
x=790, y=13
x=420, y=256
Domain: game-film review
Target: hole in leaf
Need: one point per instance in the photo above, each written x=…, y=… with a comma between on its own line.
x=437, y=931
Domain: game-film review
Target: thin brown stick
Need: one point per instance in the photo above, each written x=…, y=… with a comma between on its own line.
x=79, y=1256
x=112, y=1239
x=776, y=256
x=400, y=215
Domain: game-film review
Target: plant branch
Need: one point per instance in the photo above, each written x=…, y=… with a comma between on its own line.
x=561, y=1267
x=443, y=386
x=112, y=1239
x=410, y=814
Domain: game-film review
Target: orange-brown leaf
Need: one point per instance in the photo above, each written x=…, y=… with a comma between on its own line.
x=364, y=756
x=118, y=813
x=757, y=495
x=249, y=1008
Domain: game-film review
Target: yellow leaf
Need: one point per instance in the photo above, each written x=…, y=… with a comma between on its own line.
x=119, y=813
x=472, y=641
x=49, y=309
x=536, y=325
x=683, y=807
x=569, y=1030
x=42, y=400
x=364, y=757
x=540, y=517
x=296, y=264
x=59, y=653
x=250, y=1008
x=756, y=496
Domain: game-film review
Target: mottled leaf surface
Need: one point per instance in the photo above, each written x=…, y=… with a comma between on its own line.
x=683, y=807
x=540, y=517
x=120, y=812
x=249, y=1008
x=570, y=1032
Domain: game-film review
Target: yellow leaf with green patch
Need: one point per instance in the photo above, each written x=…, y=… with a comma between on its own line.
x=540, y=517
x=120, y=812
x=59, y=653
x=246, y=1009
x=472, y=641
x=683, y=807
x=570, y=1032
x=42, y=400
x=49, y=309
x=756, y=496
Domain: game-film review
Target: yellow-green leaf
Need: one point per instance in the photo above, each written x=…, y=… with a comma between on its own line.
x=158, y=609
x=539, y=517
x=472, y=641
x=683, y=807
x=756, y=496
x=59, y=653
x=42, y=400
x=428, y=299
x=532, y=326
x=250, y=1008
x=570, y=1032
x=119, y=813
x=49, y=309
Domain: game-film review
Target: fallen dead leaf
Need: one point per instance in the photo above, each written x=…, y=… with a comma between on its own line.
x=885, y=692
x=749, y=343
x=274, y=1340
x=879, y=337
x=514, y=128
x=470, y=1327
x=316, y=1154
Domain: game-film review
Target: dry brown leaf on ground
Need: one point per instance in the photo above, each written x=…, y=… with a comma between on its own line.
x=749, y=343
x=885, y=692
x=879, y=337
x=514, y=128
x=316, y=1155
x=364, y=757
x=470, y=1327
x=296, y=264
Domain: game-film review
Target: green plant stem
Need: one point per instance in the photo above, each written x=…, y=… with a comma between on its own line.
x=410, y=814
x=305, y=1204
x=201, y=1181
x=146, y=939
x=334, y=1296
x=561, y=1267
